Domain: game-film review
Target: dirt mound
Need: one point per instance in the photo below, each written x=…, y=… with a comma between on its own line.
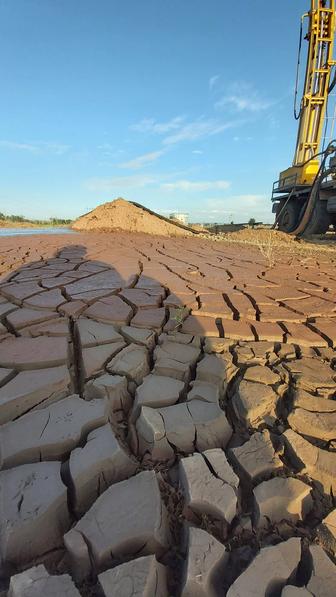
x=272, y=242
x=260, y=235
x=123, y=215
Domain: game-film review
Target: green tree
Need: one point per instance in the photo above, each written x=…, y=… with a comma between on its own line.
x=14, y=218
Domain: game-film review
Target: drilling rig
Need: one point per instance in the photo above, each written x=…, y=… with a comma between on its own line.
x=304, y=197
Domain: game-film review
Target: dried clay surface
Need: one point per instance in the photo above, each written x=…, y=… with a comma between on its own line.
x=167, y=417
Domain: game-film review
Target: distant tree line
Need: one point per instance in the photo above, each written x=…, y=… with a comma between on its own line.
x=20, y=219
x=12, y=218
x=58, y=221
x=230, y=227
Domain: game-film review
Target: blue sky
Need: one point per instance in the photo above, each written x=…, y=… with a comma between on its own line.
x=177, y=104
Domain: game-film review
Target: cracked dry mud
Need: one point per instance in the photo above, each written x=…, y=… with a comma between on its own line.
x=167, y=419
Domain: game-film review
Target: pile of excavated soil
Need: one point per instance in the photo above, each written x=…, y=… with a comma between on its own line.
x=260, y=235
x=123, y=215
x=273, y=241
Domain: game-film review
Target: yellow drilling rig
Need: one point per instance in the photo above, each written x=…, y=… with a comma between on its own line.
x=304, y=197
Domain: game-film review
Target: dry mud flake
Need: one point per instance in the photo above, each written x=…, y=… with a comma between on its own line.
x=112, y=387
x=200, y=326
x=96, y=466
x=213, y=369
x=128, y=518
x=311, y=403
x=314, y=424
x=312, y=375
x=93, y=333
x=178, y=352
x=33, y=353
x=139, y=336
x=21, y=291
x=22, y=318
x=33, y=389
x=281, y=498
x=141, y=299
x=262, y=375
x=52, y=432
x=255, y=353
x=144, y=577
x=51, y=299
x=180, y=428
x=111, y=310
x=254, y=403
x=5, y=375
x=327, y=532
x=204, y=491
x=203, y=390
x=132, y=361
x=167, y=367
x=94, y=358
x=291, y=591
x=204, y=564
x=36, y=581
x=34, y=512
x=257, y=458
x=150, y=319
x=319, y=464
x=157, y=391
x=110, y=280
x=323, y=578
x=269, y=571
x=52, y=328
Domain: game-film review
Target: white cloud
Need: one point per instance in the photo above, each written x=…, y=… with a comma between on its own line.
x=188, y=185
x=57, y=148
x=240, y=199
x=150, y=125
x=36, y=147
x=198, y=129
x=197, y=151
x=243, y=103
x=142, y=160
x=243, y=139
x=109, y=151
x=19, y=146
x=239, y=204
x=118, y=182
x=242, y=97
x=106, y=147
x=212, y=81
x=238, y=208
x=141, y=181
x=179, y=130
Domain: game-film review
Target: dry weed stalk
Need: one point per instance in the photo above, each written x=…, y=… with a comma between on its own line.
x=179, y=316
x=267, y=248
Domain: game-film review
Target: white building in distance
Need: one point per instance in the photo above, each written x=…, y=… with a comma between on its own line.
x=180, y=217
